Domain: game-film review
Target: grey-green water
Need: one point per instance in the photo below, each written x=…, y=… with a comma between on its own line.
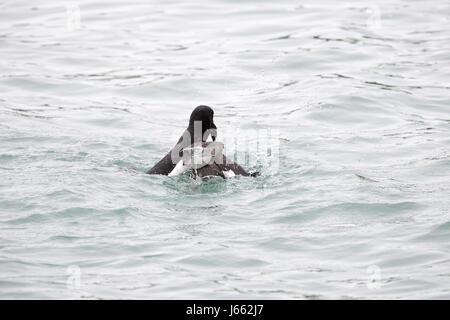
x=93, y=93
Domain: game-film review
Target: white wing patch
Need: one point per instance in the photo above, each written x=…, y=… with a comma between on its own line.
x=229, y=174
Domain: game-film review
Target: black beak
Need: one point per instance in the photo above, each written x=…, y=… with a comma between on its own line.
x=213, y=134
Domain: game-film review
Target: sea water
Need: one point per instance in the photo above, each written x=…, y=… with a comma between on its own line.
x=355, y=205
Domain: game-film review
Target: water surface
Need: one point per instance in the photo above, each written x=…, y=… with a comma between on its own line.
x=95, y=92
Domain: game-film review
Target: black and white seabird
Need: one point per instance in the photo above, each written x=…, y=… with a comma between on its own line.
x=193, y=153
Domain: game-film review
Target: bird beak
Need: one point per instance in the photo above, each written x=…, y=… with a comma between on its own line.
x=213, y=131
x=213, y=134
